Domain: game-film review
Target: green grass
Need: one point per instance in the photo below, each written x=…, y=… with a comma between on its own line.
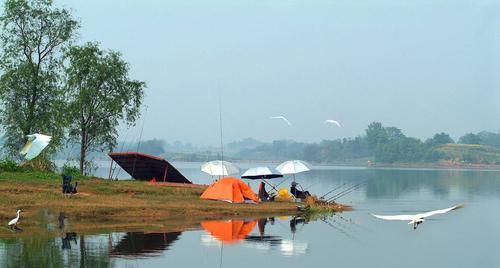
x=471, y=153
x=116, y=204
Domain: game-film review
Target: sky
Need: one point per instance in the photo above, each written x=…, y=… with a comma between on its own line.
x=422, y=66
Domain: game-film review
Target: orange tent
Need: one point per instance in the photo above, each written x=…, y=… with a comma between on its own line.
x=229, y=231
x=229, y=189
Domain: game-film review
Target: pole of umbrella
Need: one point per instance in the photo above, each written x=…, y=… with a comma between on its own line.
x=269, y=184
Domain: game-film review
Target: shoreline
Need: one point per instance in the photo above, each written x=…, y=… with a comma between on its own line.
x=124, y=204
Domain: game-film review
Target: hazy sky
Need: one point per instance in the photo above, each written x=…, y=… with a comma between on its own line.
x=423, y=66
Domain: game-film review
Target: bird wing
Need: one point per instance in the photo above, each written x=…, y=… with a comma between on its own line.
x=26, y=147
x=282, y=118
x=333, y=122
x=396, y=217
x=13, y=221
x=439, y=211
x=40, y=142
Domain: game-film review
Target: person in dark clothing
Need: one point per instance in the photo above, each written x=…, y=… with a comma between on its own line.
x=294, y=222
x=67, y=187
x=298, y=193
x=263, y=194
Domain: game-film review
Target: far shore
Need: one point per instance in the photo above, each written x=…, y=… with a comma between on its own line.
x=355, y=164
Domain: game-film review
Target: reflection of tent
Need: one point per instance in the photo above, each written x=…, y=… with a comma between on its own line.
x=231, y=190
x=230, y=231
x=140, y=244
x=146, y=167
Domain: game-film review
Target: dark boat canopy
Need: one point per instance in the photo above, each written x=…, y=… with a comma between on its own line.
x=146, y=167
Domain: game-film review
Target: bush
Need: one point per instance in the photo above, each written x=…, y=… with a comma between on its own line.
x=9, y=165
x=39, y=164
x=70, y=170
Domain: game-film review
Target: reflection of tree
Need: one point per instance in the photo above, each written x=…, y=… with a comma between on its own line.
x=394, y=183
x=39, y=251
x=32, y=252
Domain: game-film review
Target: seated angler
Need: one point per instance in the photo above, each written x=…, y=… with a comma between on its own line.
x=298, y=193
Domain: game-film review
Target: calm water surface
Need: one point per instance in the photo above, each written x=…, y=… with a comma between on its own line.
x=467, y=237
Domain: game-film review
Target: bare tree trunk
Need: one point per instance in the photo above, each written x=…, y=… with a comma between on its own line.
x=83, y=153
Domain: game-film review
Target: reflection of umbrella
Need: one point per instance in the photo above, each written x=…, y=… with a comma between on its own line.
x=260, y=173
x=292, y=247
x=293, y=167
x=230, y=231
x=36, y=143
x=219, y=168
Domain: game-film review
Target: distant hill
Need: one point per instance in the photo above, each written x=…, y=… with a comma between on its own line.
x=471, y=153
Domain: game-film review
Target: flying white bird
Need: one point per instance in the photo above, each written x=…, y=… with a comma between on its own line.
x=332, y=122
x=417, y=219
x=36, y=143
x=13, y=222
x=282, y=118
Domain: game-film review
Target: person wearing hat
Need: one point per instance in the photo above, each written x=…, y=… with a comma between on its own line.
x=298, y=193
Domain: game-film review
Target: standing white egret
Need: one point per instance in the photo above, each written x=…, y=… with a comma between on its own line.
x=419, y=218
x=331, y=121
x=13, y=222
x=36, y=143
x=282, y=118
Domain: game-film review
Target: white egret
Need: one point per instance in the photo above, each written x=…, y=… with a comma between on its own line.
x=331, y=121
x=13, y=222
x=417, y=219
x=282, y=118
x=36, y=143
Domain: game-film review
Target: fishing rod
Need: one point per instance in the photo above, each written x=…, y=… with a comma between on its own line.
x=308, y=187
x=341, y=192
x=269, y=185
x=342, y=231
x=287, y=178
x=349, y=188
x=334, y=189
x=348, y=192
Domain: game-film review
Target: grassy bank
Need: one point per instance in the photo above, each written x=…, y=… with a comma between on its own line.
x=116, y=204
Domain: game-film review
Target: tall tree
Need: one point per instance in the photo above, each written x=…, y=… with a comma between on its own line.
x=101, y=95
x=31, y=96
x=376, y=134
x=439, y=139
x=470, y=138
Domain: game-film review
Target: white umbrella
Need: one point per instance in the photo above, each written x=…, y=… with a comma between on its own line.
x=219, y=168
x=293, y=167
x=260, y=173
x=36, y=143
x=257, y=171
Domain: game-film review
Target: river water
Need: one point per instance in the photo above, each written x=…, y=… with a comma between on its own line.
x=467, y=237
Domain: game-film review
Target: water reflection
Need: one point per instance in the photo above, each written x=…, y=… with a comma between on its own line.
x=234, y=232
x=67, y=239
x=229, y=231
x=356, y=243
x=138, y=244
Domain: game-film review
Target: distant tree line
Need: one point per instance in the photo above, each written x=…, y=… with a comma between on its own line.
x=381, y=144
